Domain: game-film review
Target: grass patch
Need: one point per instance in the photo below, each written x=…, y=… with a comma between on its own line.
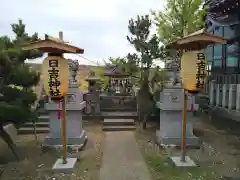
x=161, y=168
x=160, y=165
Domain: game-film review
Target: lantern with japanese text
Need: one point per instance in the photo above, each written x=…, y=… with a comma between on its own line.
x=55, y=76
x=193, y=71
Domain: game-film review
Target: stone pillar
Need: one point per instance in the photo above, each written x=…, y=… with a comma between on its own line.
x=225, y=95
x=92, y=103
x=232, y=96
x=213, y=93
x=219, y=95
x=238, y=98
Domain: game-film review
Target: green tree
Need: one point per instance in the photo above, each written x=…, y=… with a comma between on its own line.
x=17, y=96
x=178, y=19
x=99, y=72
x=147, y=48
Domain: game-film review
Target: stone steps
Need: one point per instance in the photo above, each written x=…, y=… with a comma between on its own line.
x=118, y=115
x=43, y=118
x=30, y=130
x=118, y=124
x=38, y=124
x=118, y=109
x=42, y=126
x=118, y=128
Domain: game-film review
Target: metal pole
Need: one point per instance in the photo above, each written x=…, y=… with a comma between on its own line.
x=184, y=126
x=64, y=134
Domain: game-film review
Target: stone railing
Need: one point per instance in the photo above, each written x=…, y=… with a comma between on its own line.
x=117, y=102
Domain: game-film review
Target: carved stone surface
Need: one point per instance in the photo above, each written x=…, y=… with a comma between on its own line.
x=73, y=69
x=70, y=98
x=171, y=105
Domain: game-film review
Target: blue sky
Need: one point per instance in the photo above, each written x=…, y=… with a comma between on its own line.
x=99, y=27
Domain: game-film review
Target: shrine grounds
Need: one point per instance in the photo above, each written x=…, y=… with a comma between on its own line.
x=36, y=165
x=221, y=160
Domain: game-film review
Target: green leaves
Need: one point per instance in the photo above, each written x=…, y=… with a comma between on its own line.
x=178, y=19
x=15, y=105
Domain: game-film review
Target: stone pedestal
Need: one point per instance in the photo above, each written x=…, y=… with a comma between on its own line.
x=171, y=105
x=213, y=93
x=232, y=96
x=225, y=95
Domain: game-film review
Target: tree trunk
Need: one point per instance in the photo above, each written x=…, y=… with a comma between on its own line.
x=35, y=131
x=6, y=137
x=144, y=122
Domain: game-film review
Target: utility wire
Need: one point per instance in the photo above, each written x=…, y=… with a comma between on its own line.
x=97, y=63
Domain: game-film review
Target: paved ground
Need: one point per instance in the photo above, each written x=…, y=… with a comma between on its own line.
x=122, y=159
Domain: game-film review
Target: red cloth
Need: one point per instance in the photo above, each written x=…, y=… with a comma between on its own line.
x=192, y=107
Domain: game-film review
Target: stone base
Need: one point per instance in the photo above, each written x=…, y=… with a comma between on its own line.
x=171, y=129
x=191, y=142
x=72, y=142
x=65, y=168
x=188, y=163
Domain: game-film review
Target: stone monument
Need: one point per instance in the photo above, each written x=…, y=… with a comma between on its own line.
x=76, y=135
x=171, y=105
x=92, y=97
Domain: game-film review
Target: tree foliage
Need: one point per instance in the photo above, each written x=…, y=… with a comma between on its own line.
x=147, y=47
x=178, y=19
x=16, y=79
x=99, y=72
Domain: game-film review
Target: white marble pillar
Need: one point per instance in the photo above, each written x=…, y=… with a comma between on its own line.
x=238, y=98
x=225, y=95
x=232, y=96
x=218, y=94
x=212, y=93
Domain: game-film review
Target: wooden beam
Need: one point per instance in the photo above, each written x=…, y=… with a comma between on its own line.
x=51, y=46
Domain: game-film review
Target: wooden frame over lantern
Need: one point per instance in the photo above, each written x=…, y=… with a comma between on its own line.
x=196, y=41
x=53, y=45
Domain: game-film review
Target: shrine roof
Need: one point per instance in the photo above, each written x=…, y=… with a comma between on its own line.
x=196, y=41
x=222, y=6
x=52, y=45
x=114, y=71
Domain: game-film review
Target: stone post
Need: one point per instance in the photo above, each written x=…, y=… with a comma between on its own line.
x=213, y=93
x=238, y=98
x=218, y=95
x=232, y=96
x=225, y=95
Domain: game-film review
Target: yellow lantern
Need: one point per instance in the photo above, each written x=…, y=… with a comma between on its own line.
x=55, y=74
x=193, y=71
